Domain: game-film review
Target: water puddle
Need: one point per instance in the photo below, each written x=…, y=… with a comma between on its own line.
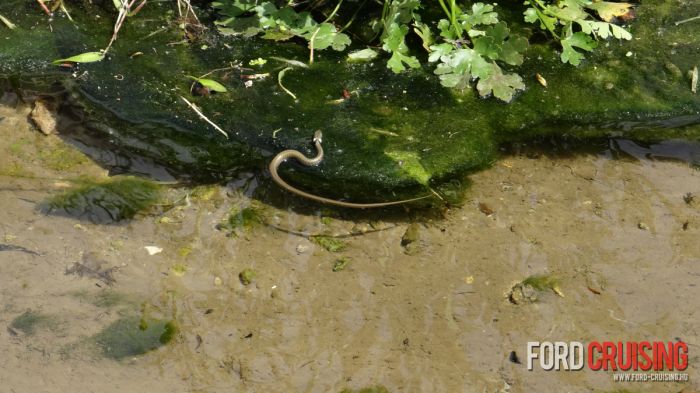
x=206, y=289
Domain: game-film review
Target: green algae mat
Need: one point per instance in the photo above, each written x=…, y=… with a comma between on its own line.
x=386, y=135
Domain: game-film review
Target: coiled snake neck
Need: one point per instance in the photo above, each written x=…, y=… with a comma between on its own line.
x=287, y=154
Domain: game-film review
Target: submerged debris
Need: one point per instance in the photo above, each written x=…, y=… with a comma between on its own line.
x=242, y=219
x=410, y=240
x=527, y=290
x=12, y=247
x=689, y=198
x=92, y=266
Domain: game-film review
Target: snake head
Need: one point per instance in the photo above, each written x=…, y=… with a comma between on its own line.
x=318, y=136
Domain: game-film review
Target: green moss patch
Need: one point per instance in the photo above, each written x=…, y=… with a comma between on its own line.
x=31, y=321
x=329, y=243
x=243, y=219
x=116, y=199
x=133, y=336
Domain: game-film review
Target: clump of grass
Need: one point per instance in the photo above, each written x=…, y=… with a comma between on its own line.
x=246, y=276
x=116, y=199
x=340, y=264
x=329, y=243
x=133, y=336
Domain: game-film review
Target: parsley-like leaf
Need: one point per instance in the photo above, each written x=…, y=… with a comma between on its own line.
x=577, y=40
x=503, y=86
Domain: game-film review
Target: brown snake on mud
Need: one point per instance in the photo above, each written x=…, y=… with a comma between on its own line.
x=286, y=154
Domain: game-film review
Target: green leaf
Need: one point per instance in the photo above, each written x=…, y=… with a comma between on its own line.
x=620, y=33
x=577, y=40
x=502, y=86
x=604, y=30
x=609, y=11
x=482, y=14
x=325, y=35
x=210, y=84
x=438, y=51
x=446, y=31
x=232, y=8
x=87, y=57
x=422, y=30
x=402, y=11
x=533, y=15
x=496, y=45
x=464, y=61
x=394, y=43
x=397, y=61
x=455, y=81
x=568, y=10
x=363, y=55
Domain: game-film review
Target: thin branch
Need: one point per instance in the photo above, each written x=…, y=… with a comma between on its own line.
x=197, y=111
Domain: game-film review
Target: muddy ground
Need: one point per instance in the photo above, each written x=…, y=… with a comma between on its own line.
x=616, y=231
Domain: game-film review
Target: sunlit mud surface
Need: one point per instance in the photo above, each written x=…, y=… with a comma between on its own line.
x=618, y=231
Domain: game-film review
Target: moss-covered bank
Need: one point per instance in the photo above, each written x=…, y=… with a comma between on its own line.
x=393, y=135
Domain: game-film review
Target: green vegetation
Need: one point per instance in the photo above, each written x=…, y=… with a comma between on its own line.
x=329, y=243
x=29, y=321
x=112, y=200
x=243, y=219
x=542, y=282
x=246, y=276
x=471, y=44
x=340, y=264
x=387, y=135
x=132, y=336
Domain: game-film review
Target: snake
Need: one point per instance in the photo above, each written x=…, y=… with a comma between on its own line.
x=285, y=155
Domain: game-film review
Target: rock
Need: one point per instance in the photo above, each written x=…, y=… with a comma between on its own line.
x=44, y=117
x=411, y=240
x=522, y=294
x=411, y=235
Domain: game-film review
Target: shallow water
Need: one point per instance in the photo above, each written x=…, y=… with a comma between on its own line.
x=618, y=229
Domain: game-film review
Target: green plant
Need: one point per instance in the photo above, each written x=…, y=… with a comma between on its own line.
x=251, y=17
x=573, y=23
x=472, y=44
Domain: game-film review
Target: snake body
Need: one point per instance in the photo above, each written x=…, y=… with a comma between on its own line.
x=287, y=154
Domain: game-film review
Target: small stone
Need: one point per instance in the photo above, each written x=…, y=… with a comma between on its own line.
x=153, y=250
x=218, y=281
x=302, y=248
x=44, y=118
x=643, y=226
x=486, y=209
x=411, y=235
